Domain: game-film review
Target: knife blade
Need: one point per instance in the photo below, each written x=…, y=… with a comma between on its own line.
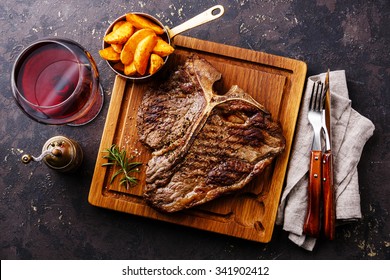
x=328, y=195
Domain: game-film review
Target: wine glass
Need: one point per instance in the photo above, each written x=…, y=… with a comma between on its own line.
x=56, y=81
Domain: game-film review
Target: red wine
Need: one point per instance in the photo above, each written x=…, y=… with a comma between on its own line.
x=54, y=80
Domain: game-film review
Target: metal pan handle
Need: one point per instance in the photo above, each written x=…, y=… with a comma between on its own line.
x=208, y=15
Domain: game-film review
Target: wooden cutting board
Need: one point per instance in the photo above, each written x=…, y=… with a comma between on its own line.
x=274, y=81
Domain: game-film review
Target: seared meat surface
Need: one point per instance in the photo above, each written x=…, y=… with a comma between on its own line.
x=204, y=145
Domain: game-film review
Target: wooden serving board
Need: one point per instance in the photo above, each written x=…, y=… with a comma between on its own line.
x=274, y=81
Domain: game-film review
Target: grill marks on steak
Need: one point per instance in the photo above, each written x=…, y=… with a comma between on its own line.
x=169, y=111
x=158, y=134
x=205, y=145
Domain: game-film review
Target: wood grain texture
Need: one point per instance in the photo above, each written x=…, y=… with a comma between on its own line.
x=312, y=223
x=328, y=195
x=276, y=82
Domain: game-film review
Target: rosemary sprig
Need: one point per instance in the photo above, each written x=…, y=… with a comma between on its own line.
x=119, y=158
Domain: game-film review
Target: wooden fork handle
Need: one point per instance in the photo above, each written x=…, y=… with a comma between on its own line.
x=328, y=195
x=312, y=222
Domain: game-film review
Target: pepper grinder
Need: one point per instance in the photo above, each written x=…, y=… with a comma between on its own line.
x=59, y=153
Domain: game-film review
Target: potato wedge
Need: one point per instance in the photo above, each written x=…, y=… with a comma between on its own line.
x=120, y=35
x=156, y=62
x=109, y=54
x=162, y=48
x=142, y=53
x=118, y=24
x=128, y=51
x=141, y=22
x=117, y=47
x=130, y=69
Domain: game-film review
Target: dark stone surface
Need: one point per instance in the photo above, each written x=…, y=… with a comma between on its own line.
x=46, y=215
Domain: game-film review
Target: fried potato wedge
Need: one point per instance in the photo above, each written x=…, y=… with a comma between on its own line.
x=130, y=69
x=118, y=24
x=142, y=53
x=117, y=47
x=109, y=54
x=128, y=51
x=141, y=22
x=156, y=62
x=162, y=48
x=120, y=35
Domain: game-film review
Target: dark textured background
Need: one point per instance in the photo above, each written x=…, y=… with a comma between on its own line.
x=46, y=215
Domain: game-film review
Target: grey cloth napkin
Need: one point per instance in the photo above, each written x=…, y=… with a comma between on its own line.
x=350, y=132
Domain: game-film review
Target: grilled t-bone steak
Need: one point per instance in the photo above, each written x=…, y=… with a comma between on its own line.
x=204, y=145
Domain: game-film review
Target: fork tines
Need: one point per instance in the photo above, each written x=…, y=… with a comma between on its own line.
x=317, y=97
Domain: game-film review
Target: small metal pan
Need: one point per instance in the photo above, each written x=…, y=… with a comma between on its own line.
x=204, y=17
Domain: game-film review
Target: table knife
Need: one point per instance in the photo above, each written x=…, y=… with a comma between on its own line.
x=328, y=194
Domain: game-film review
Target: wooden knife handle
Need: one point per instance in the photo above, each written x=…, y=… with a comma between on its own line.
x=312, y=222
x=328, y=196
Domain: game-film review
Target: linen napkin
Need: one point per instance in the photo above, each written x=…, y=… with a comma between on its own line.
x=350, y=132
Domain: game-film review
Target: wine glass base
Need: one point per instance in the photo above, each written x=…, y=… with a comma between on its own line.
x=93, y=112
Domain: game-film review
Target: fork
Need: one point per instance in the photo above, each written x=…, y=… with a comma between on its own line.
x=312, y=221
